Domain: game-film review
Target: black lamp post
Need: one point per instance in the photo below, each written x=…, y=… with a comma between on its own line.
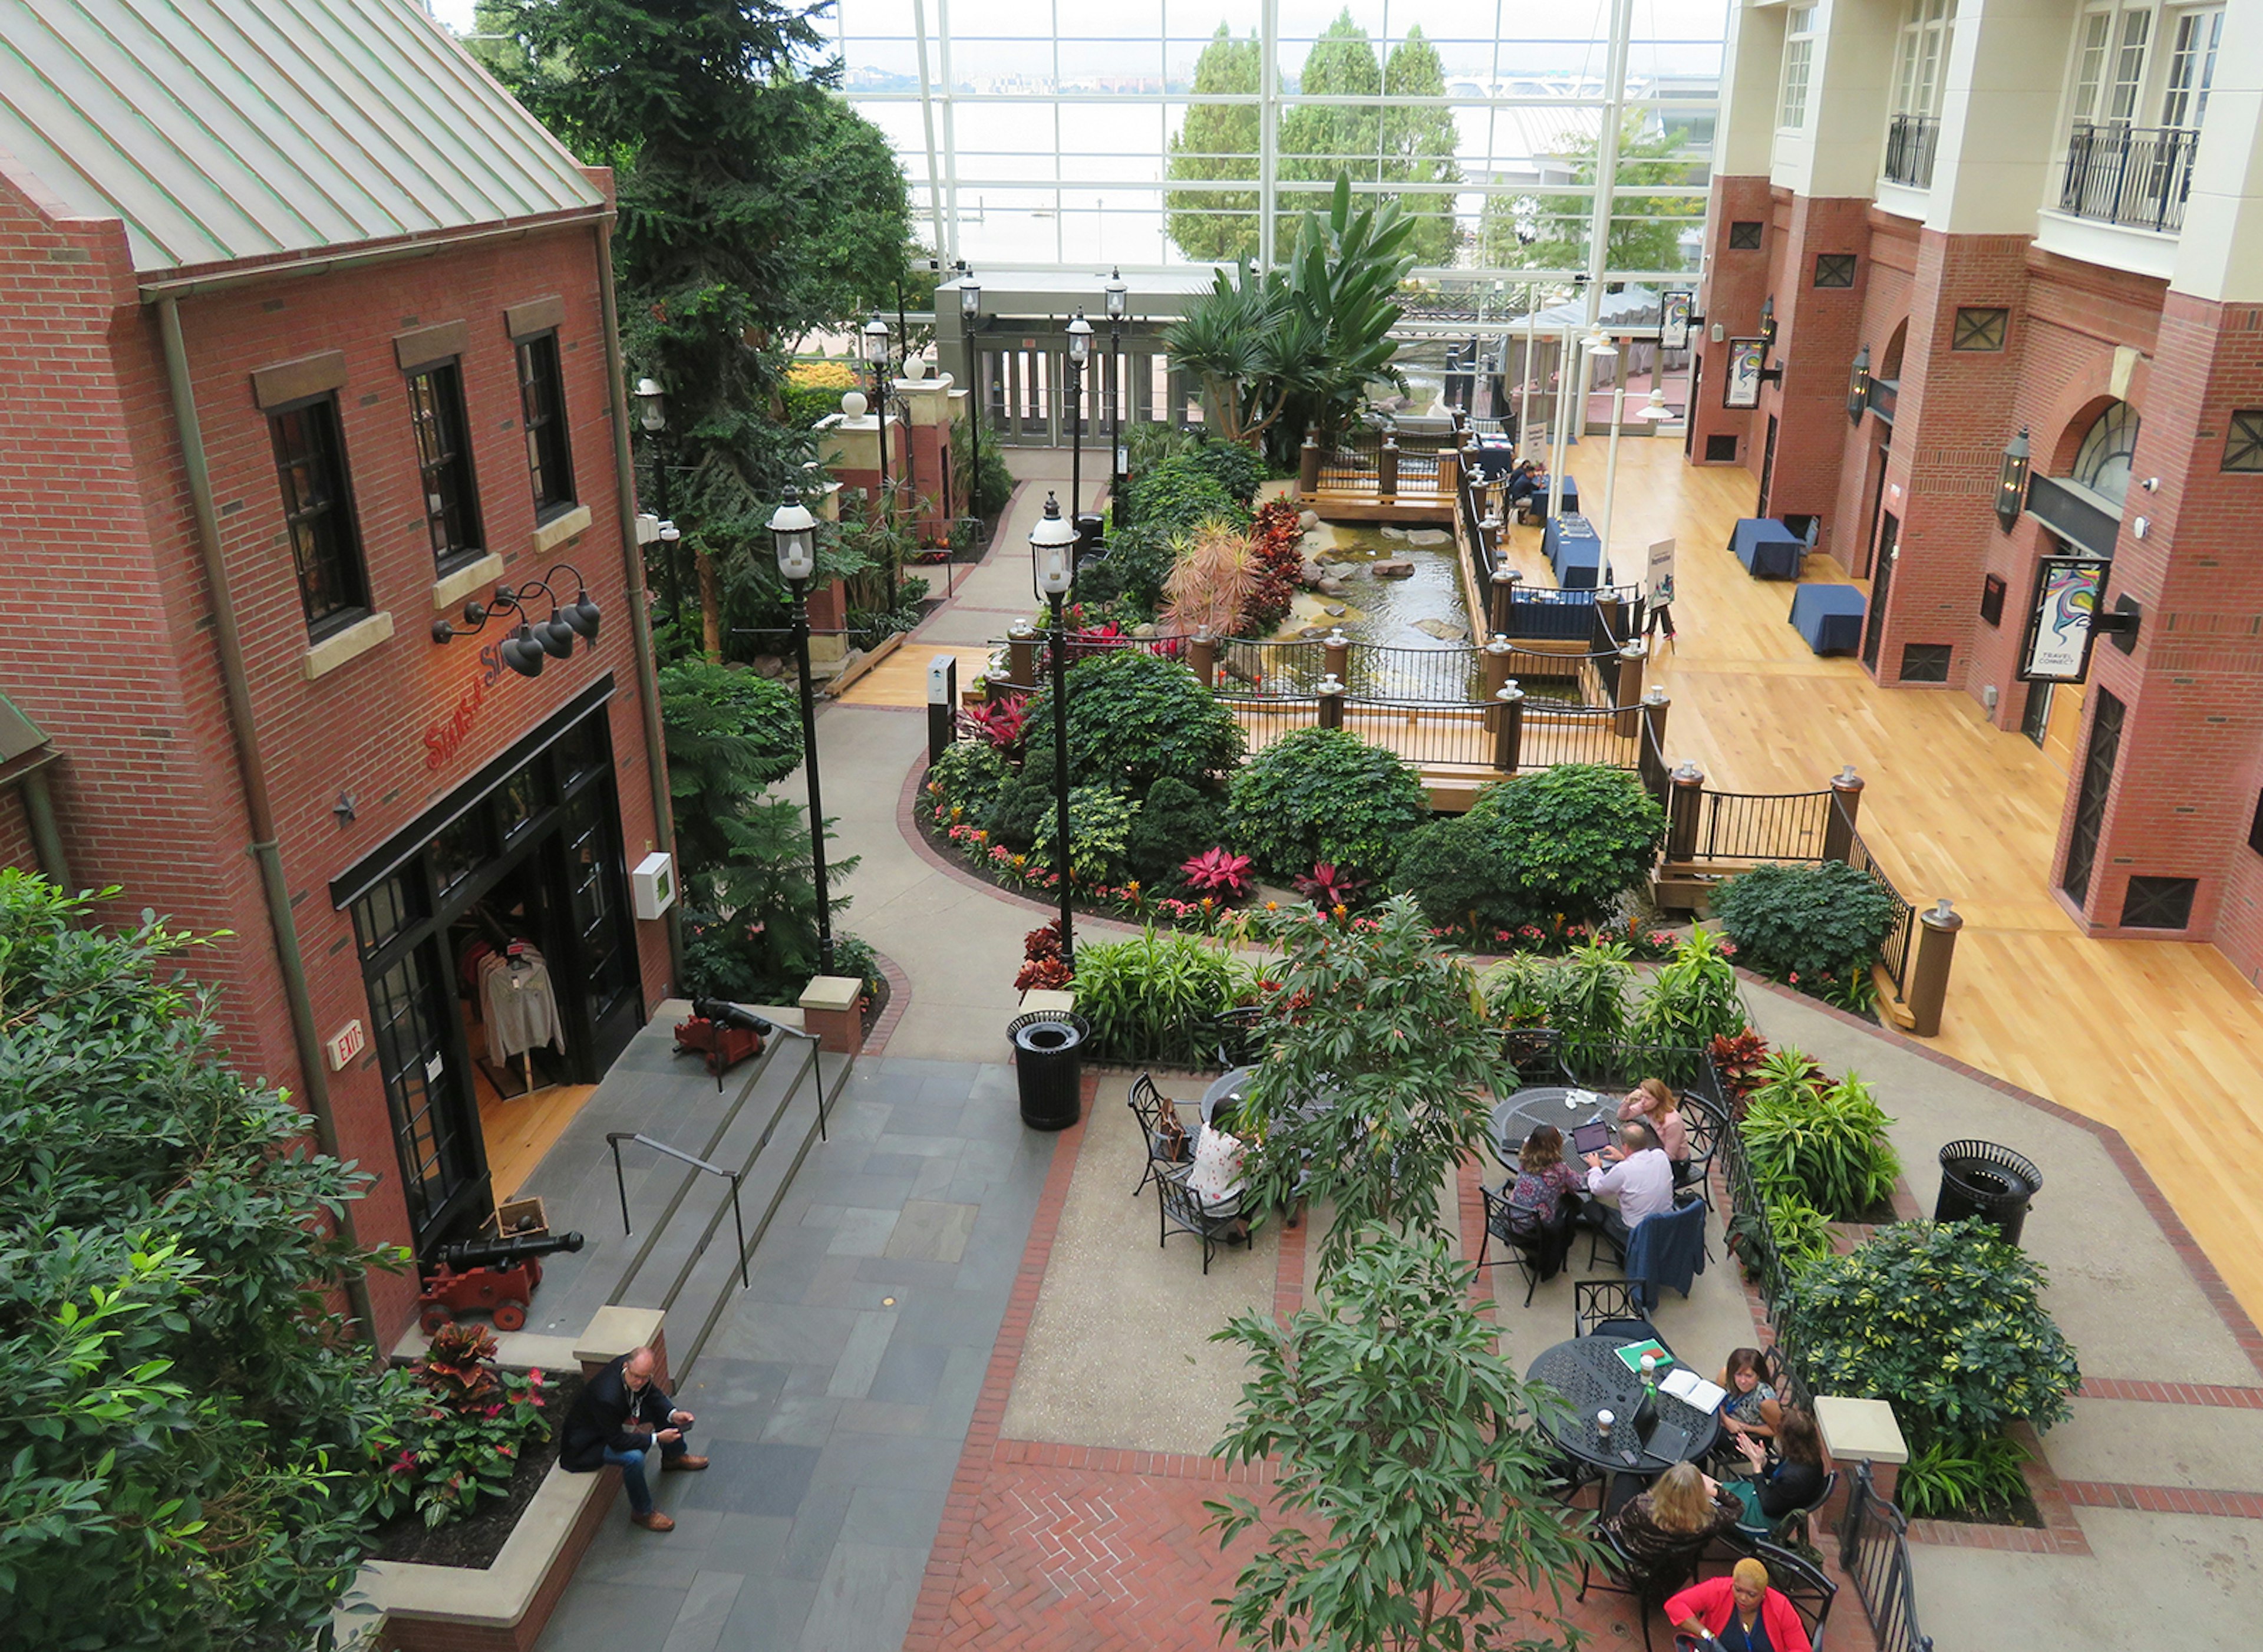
x=876, y=355
x=1053, y=545
x=1118, y=297
x=1080, y=353
x=652, y=414
x=1858, y=385
x=794, y=532
x=978, y=398
x=2012, y=480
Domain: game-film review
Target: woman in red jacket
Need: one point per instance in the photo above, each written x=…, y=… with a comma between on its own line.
x=1739, y=1611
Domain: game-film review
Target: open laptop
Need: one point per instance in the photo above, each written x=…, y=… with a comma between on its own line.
x=1591, y=1138
x=1668, y=1442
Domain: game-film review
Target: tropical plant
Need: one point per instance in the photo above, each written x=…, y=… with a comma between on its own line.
x=1135, y=718
x=1182, y=492
x=1212, y=585
x=1829, y=1148
x=1329, y=886
x=1957, y=1473
x=1788, y=1077
x=750, y=931
x=729, y=732
x=1174, y=823
x=187, y=1414
x=1555, y=847
x=1801, y=1232
x=1373, y=1083
x=1519, y=990
x=1690, y=1002
x=1805, y=922
x=986, y=495
x=1099, y=831
x=1155, y=997
x=1945, y=1320
x=1043, y=966
x=1140, y=557
x=1276, y=556
x=1736, y=1059
x=1324, y=794
x=1588, y=988
x=1003, y=724
x=1411, y=1505
x=1218, y=872
x=464, y=1424
x=967, y=778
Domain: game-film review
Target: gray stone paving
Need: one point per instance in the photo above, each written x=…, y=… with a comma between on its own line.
x=834, y=1396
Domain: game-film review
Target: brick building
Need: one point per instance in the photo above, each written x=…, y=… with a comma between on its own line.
x=307, y=341
x=1972, y=219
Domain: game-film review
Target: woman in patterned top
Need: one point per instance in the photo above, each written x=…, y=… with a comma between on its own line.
x=1752, y=1410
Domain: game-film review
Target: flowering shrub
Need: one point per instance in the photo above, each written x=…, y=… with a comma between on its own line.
x=462, y=1423
x=1004, y=724
x=1277, y=563
x=1043, y=966
x=1331, y=886
x=1220, y=871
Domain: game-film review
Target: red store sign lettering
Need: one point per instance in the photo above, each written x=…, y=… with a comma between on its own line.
x=446, y=737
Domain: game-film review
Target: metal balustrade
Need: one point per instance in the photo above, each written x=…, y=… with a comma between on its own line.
x=2139, y=176
x=1910, y=140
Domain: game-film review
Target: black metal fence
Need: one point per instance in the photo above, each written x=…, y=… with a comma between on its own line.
x=1873, y=1553
x=1910, y=142
x=1350, y=460
x=1894, y=955
x=1760, y=826
x=1555, y=734
x=2139, y=176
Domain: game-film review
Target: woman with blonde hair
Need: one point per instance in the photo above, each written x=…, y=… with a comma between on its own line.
x=1740, y=1612
x=1653, y=1104
x=1685, y=1507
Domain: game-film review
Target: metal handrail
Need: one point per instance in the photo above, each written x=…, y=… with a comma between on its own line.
x=1874, y=1552
x=1910, y=142
x=2139, y=176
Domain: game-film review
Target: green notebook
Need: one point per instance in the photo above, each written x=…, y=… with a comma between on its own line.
x=1632, y=1353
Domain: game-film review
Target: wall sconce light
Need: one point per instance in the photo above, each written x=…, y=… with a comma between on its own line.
x=1719, y=332
x=1768, y=322
x=1858, y=386
x=2151, y=484
x=524, y=652
x=2012, y=480
x=2141, y=527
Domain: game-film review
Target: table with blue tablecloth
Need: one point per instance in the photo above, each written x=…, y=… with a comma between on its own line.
x=1575, y=551
x=1768, y=549
x=1829, y=617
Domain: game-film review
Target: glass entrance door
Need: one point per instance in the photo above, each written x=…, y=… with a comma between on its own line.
x=436, y=1129
x=2034, y=716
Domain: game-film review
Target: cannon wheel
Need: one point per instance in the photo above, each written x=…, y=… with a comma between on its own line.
x=433, y=1315
x=509, y=1316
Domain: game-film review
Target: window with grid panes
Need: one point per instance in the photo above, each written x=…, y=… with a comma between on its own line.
x=542, y=412
x=2193, y=41
x=318, y=512
x=1798, y=57
x=1923, y=58
x=2242, y=447
x=444, y=460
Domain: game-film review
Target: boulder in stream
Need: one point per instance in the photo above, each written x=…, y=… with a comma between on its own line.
x=1397, y=568
x=1444, y=630
x=1427, y=536
x=1328, y=586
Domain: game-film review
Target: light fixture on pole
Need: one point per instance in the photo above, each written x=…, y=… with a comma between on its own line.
x=651, y=415
x=1118, y=299
x=1655, y=409
x=793, y=532
x=2012, y=480
x=876, y=355
x=1858, y=386
x=1052, y=546
x=1611, y=477
x=978, y=393
x=1080, y=353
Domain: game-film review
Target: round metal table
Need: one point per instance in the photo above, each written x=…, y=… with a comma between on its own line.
x=1228, y=1089
x=1590, y=1375
x=1518, y=1114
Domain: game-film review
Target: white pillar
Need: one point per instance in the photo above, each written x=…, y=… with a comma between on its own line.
x=2220, y=255
x=1611, y=475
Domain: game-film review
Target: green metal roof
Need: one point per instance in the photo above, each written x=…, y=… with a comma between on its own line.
x=222, y=130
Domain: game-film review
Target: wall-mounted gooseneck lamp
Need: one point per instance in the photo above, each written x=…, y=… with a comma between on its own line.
x=1768, y=322
x=524, y=651
x=1858, y=386
x=2012, y=480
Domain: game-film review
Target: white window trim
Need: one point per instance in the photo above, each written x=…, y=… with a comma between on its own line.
x=1800, y=36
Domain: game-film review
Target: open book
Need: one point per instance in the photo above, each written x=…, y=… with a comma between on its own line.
x=1691, y=1389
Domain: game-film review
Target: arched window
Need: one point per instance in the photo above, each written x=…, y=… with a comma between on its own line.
x=2102, y=463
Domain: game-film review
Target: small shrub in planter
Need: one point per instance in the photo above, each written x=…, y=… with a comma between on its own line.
x=463, y=1422
x=1943, y=1319
x=1099, y=829
x=1582, y=995
x=968, y=776
x=1324, y=794
x=1826, y=1145
x=1559, y=846
x=1023, y=801
x=1804, y=922
x=1453, y=869
x=1690, y=1002
x=1135, y=718
x=1958, y=1473
x=1156, y=997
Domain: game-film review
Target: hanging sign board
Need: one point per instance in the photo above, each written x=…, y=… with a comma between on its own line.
x=1742, y=386
x=1657, y=584
x=1674, y=322
x=2069, y=593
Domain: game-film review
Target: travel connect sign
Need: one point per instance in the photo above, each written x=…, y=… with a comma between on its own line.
x=2070, y=592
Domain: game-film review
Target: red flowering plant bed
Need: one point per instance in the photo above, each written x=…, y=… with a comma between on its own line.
x=469, y=1444
x=1275, y=541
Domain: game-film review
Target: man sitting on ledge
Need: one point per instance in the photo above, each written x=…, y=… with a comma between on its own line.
x=620, y=1415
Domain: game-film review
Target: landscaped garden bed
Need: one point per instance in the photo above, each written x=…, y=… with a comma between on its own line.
x=479, y=1537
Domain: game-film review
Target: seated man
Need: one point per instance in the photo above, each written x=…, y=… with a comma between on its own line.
x=1530, y=478
x=620, y=1415
x=1639, y=1184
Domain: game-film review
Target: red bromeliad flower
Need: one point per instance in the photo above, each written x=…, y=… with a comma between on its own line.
x=1330, y=884
x=1219, y=870
x=1003, y=723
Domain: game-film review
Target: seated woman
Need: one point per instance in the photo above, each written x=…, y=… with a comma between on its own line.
x=1752, y=1410
x=1215, y=1176
x=1545, y=1194
x=1653, y=1104
x=1795, y=1482
x=1740, y=1612
x=1684, y=1509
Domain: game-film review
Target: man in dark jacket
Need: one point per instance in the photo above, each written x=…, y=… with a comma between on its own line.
x=619, y=1416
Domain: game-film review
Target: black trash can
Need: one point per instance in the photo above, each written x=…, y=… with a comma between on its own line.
x=1049, y=1067
x=1979, y=1178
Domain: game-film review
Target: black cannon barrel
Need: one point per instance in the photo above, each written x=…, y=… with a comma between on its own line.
x=506, y=1253
x=731, y=1015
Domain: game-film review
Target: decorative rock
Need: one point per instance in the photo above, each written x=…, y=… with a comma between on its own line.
x=1310, y=572
x=1394, y=534
x=1444, y=630
x=1328, y=586
x=1143, y=630
x=1395, y=568
x=1307, y=633
x=1427, y=536
x=1339, y=570
x=1308, y=520
x=769, y=665
x=1333, y=610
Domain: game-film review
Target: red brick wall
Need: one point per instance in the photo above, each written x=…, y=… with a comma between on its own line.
x=1729, y=295
x=107, y=647
x=1887, y=283
x=15, y=848
x=1817, y=330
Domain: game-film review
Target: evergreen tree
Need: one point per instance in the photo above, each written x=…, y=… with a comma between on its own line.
x=1544, y=230
x=1419, y=144
x=1320, y=141
x=1217, y=141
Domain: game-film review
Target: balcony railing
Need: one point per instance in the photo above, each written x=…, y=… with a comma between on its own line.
x=1910, y=143
x=2137, y=176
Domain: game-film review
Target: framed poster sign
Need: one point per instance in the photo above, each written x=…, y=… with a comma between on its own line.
x=1674, y=322
x=2069, y=593
x=1741, y=387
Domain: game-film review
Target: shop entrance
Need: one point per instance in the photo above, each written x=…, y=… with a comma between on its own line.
x=501, y=965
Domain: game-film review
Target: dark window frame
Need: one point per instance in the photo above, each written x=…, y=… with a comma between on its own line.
x=1926, y=662
x=2163, y=904
x=1983, y=328
x=1745, y=233
x=2242, y=442
x=319, y=518
x=542, y=416
x=1836, y=269
x=448, y=483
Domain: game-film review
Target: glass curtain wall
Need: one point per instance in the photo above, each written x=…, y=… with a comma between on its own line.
x=1151, y=133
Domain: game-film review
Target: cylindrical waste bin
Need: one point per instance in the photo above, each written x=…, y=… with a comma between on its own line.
x=1979, y=1178
x=1049, y=1067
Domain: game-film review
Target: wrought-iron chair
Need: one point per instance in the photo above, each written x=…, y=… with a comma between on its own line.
x=1239, y=1042
x=1802, y=1582
x=1706, y=1126
x=1536, y=1053
x=1649, y=1581
x=1605, y=1308
x=1147, y=1103
x=1777, y=1529
x=1530, y=1251
x=1182, y=1211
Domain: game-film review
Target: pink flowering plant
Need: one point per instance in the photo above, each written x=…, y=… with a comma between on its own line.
x=460, y=1424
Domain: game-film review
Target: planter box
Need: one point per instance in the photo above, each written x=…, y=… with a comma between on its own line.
x=505, y=1606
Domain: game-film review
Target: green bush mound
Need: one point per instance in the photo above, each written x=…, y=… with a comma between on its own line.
x=1804, y=923
x=1324, y=795
x=1822, y=1144
x=1582, y=995
x=1135, y=718
x=1563, y=844
x=1175, y=824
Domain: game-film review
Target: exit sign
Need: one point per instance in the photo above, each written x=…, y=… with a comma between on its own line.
x=344, y=1044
